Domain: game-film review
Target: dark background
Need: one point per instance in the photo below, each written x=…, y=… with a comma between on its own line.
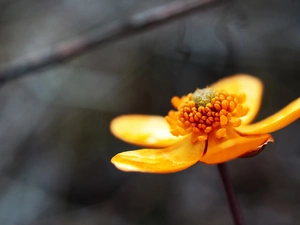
x=54, y=124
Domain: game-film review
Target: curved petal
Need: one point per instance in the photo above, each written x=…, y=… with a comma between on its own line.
x=233, y=146
x=251, y=86
x=175, y=158
x=254, y=152
x=282, y=118
x=144, y=130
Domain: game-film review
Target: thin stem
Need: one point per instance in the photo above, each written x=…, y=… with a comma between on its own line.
x=136, y=24
x=232, y=201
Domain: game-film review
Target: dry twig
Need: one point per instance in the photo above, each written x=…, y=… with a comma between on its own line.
x=114, y=32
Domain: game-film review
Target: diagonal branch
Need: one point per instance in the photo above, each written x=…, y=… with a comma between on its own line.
x=114, y=32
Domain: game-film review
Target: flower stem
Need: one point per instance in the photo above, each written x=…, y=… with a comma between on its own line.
x=232, y=201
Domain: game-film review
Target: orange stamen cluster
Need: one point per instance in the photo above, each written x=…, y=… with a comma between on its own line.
x=222, y=111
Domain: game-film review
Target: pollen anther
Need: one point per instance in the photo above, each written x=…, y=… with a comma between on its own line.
x=218, y=107
x=208, y=129
x=225, y=104
x=202, y=138
x=206, y=111
x=223, y=120
x=221, y=133
x=231, y=106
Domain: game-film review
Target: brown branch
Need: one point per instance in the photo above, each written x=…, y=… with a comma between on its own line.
x=116, y=31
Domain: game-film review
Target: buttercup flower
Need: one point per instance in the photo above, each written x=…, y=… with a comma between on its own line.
x=210, y=125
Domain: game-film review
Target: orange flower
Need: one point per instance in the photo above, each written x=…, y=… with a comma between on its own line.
x=210, y=125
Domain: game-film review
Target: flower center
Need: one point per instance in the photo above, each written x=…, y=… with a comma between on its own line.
x=206, y=111
x=202, y=97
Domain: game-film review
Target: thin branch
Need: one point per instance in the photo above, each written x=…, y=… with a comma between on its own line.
x=232, y=201
x=115, y=31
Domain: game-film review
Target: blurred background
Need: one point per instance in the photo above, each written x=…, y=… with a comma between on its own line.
x=54, y=124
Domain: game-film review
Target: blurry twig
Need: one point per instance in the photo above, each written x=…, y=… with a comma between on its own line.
x=115, y=31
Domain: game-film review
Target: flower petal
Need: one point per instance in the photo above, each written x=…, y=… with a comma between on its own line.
x=251, y=86
x=150, y=131
x=232, y=146
x=282, y=118
x=174, y=158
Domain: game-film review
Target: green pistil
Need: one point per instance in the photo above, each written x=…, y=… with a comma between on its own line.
x=202, y=97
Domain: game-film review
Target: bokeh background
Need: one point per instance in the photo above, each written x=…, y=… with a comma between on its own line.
x=54, y=124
